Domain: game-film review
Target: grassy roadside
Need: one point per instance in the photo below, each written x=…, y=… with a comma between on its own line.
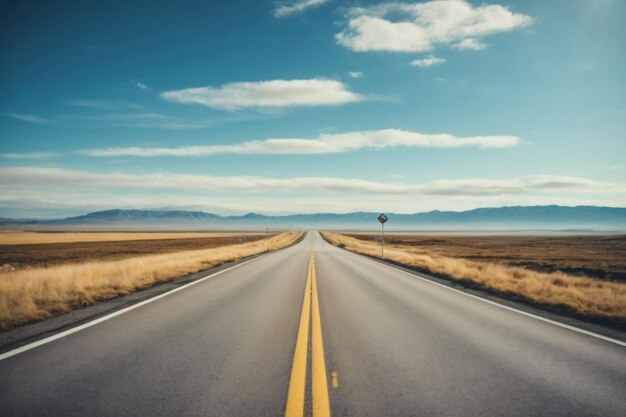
x=590, y=255
x=39, y=293
x=47, y=237
x=46, y=255
x=585, y=296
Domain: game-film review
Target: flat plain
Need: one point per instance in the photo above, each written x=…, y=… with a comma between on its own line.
x=19, y=237
x=29, y=250
x=596, y=256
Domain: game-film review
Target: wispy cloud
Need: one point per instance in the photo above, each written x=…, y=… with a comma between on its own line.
x=267, y=94
x=152, y=120
x=290, y=8
x=420, y=27
x=123, y=116
x=618, y=167
x=142, y=86
x=323, y=144
x=103, y=104
x=118, y=113
x=29, y=118
x=141, y=119
x=355, y=74
x=428, y=61
x=12, y=177
x=28, y=155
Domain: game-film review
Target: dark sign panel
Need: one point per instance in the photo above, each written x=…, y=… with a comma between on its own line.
x=382, y=218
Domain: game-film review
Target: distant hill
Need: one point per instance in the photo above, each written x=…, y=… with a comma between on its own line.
x=500, y=218
x=119, y=215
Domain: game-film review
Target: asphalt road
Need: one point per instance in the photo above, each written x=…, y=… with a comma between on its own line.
x=398, y=345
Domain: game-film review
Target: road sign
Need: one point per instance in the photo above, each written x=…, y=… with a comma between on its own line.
x=382, y=219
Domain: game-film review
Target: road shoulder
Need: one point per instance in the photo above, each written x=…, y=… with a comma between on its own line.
x=19, y=336
x=30, y=332
x=598, y=327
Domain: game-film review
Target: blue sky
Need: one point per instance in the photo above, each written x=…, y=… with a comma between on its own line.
x=312, y=105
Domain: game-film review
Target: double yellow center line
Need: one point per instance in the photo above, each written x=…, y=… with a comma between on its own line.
x=319, y=383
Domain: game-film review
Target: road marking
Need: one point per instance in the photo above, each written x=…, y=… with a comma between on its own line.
x=297, y=382
x=319, y=382
x=333, y=376
x=84, y=326
x=319, y=379
x=524, y=313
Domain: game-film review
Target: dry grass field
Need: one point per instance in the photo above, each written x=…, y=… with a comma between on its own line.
x=596, y=256
x=38, y=293
x=21, y=256
x=37, y=237
x=584, y=295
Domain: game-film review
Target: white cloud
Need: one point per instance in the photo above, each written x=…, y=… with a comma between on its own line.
x=32, y=177
x=29, y=118
x=323, y=144
x=28, y=155
x=428, y=61
x=142, y=86
x=57, y=193
x=355, y=74
x=618, y=167
x=470, y=44
x=274, y=93
x=420, y=27
x=290, y=8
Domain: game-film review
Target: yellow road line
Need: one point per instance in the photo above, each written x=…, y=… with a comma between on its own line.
x=297, y=382
x=319, y=381
x=333, y=376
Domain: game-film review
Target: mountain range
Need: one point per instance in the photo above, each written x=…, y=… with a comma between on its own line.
x=551, y=217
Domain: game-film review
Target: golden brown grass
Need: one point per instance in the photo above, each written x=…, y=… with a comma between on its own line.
x=15, y=257
x=38, y=293
x=584, y=295
x=27, y=238
x=591, y=255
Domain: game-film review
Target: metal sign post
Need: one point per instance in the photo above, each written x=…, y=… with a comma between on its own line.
x=382, y=219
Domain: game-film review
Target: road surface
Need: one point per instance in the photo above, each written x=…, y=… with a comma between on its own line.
x=393, y=345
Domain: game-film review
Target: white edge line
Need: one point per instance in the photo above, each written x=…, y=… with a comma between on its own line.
x=84, y=326
x=556, y=323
